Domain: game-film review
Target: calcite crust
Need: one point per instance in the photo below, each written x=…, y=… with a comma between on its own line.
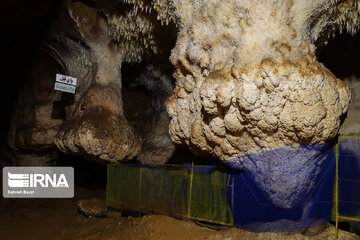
x=247, y=78
x=257, y=107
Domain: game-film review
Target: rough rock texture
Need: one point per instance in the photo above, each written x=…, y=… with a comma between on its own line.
x=96, y=127
x=352, y=121
x=247, y=79
x=315, y=230
x=266, y=107
x=94, y=207
x=112, y=34
x=157, y=147
x=249, y=89
x=91, y=41
x=133, y=30
x=98, y=134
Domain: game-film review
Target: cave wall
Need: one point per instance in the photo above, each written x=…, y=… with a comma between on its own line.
x=237, y=90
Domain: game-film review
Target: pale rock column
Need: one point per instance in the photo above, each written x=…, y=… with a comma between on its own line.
x=250, y=91
x=96, y=127
x=246, y=76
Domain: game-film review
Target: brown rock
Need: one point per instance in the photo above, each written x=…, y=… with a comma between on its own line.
x=96, y=127
x=92, y=207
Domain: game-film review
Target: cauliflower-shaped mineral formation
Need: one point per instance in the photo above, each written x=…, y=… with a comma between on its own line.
x=247, y=79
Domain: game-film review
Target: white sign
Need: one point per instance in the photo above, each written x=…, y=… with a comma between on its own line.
x=66, y=79
x=64, y=87
x=65, y=83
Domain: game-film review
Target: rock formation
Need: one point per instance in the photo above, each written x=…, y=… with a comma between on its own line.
x=250, y=91
x=152, y=122
x=351, y=123
x=91, y=41
x=96, y=127
x=247, y=79
x=246, y=76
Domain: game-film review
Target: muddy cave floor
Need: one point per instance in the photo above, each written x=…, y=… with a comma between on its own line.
x=59, y=219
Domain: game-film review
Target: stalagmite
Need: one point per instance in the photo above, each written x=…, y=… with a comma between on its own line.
x=247, y=79
x=96, y=127
x=250, y=91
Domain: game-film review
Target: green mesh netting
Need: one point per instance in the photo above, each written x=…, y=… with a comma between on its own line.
x=192, y=193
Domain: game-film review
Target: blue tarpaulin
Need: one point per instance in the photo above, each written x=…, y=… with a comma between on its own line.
x=281, y=190
x=291, y=188
x=349, y=177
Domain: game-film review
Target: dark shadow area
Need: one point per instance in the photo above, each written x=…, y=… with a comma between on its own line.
x=342, y=55
x=88, y=174
x=23, y=26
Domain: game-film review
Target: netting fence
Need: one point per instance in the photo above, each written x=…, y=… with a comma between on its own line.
x=219, y=195
x=347, y=179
